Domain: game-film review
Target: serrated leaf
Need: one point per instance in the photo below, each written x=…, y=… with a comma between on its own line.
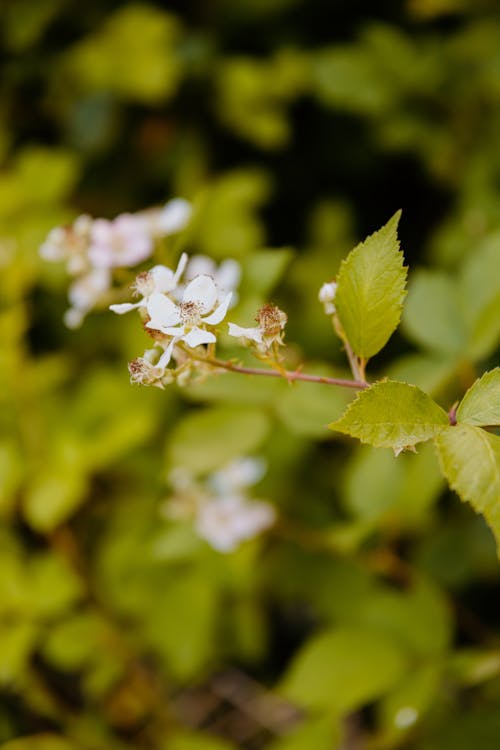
x=481, y=403
x=470, y=461
x=371, y=290
x=392, y=415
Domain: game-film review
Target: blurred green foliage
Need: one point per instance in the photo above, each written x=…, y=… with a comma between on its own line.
x=373, y=605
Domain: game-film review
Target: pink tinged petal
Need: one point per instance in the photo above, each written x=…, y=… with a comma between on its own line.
x=255, y=334
x=125, y=307
x=101, y=231
x=203, y=292
x=219, y=313
x=198, y=336
x=162, y=311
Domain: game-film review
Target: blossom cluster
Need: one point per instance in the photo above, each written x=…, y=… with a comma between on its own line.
x=220, y=508
x=93, y=248
x=181, y=310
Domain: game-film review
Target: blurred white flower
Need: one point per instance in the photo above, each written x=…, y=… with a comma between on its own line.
x=219, y=507
x=224, y=522
x=84, y=293
x=125, y=241
x=158, y=279
x=227, y=275
x=173, y=217
x=70, y=244
x=185, y=321
x=327, y=295
x=237, y=475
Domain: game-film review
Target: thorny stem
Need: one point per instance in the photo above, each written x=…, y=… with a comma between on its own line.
x=287, y=374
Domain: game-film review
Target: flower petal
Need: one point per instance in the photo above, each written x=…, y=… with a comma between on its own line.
x=219, y=313
x=125, y=307
x=203, y=292
x=181, y=265
x=198, y=336
x=166, y=356
x=229, y=274
x=163, y=278
x=162, y=311
x=255, y=334
x=174, y=216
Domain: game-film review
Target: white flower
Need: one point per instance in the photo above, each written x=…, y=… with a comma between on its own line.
x=69, y=244
x=226, y=521
x=184, y=321
x=271, y=322
x=172, y=218
x=125, y=241
x=158, y=279
x=84, y=293
x=239, y=474
x=327, y=295
x=227, y=275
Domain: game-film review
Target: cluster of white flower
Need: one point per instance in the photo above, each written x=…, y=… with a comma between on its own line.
x=219, y=508
x=92, y=248
x=181, y=310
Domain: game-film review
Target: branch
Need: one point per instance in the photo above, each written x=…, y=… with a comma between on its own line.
x=289, y=375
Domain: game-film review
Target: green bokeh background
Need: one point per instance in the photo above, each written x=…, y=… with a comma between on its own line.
x=296, y=127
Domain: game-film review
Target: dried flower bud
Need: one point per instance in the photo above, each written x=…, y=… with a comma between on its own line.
x=271, y=322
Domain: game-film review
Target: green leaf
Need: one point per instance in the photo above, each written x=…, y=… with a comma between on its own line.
x=392, y=415
x=323, y=733
x=187, y=740
x=371, y=290
x=432, y=315
x=470, y=461
x=481, y=403
x=263, y=269
x=479, y=285
x=343, y=669
x=392, y=494
x=207, y=439
x=302, y=406
x=410, y=700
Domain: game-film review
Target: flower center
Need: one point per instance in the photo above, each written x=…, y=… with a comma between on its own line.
x=190, y=313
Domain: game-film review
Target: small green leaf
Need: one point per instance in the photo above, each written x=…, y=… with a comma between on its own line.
x=470, y=461
x=371, y=290
x=392, y=415
x=481, y=403
x=343, y=669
